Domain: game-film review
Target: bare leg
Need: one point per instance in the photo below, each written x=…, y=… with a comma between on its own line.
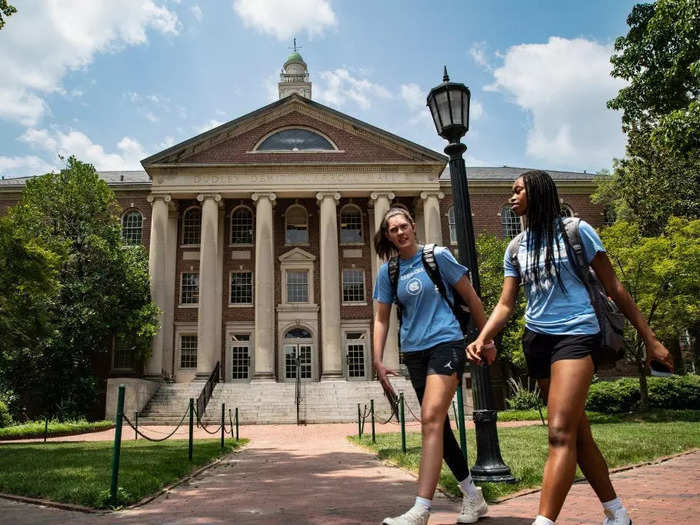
x=568, y=387
x=439, y=391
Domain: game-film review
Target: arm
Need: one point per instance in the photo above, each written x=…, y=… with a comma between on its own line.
x=381, y=328
x=613, y=287
x=478, y=350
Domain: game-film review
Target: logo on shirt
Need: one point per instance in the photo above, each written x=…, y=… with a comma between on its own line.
x=448, y=365
x=414, y=286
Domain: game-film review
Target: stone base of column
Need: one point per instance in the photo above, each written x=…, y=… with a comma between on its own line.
x=332, y=375
x=201, y=376
x=263, y=377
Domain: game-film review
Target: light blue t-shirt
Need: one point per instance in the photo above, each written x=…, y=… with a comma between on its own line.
x=427, y=319
x=550, y=310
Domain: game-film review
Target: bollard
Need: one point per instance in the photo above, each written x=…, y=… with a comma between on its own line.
x=117, y=445
x=136, y=426
x=460, y=421
x=403, y=423
x=46, y=428
x=191, y=426
x=230, y=421
x=223, y=423
x=359, y=421
x=371, y=404
x=454, y=412
x=236, y=423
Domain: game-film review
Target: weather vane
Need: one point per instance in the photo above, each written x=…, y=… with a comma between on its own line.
x=294, y=46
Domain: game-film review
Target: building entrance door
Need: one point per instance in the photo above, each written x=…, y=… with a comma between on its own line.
x=355, y=346
x=298, y=350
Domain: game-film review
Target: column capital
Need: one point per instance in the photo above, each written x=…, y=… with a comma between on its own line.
x=438, y=194
x=377, y=195
x=165, y=197
x=270, y=196
x=327, y=194
x=216, y=196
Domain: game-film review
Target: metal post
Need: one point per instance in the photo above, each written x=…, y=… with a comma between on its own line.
x=136, y=425
x=460, y=421
x=236, y=423
x=371, y=404
x=46, y=428
x=223, y=423
x=191, y=444
x=117, y=445
x=489, y=463
x=359, y=422
x=403, y=423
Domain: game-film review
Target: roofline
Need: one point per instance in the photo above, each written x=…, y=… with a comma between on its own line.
x=149, y=161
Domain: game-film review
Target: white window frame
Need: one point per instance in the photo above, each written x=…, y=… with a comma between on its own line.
x=182, y=223
x=180, y=335
x=507, y=209
x=252, y=289
x=188, y=305
x=357, y=326
x=286, y=214
x=567, y=208
x=239, y=329
x=124, y=215
x=361, y=242
x=452, y=224
x=361, y=302
x=230, y=223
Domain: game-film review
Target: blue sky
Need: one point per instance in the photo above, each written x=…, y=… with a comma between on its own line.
x=114, y=82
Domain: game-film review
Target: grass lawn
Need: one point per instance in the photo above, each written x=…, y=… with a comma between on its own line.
x=80, y=473
x=624, y=440
x=35, y=429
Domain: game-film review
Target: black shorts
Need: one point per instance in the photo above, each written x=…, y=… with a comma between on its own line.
x=541, y=350
x=443, y=359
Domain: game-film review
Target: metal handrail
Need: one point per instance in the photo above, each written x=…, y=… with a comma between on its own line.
x=206, y=393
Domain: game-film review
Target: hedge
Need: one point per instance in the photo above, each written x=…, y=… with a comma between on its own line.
x=5, y=418
x=678, y=392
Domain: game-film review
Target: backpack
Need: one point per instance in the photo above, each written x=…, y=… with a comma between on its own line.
x=459, y=308
x=610, y=319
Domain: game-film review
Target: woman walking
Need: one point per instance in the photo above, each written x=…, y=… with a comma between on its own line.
x=562, y=338
x=434, y=353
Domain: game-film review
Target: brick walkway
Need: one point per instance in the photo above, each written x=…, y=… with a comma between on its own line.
x=313, y=475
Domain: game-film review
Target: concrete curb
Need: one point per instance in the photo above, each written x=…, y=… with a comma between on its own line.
x=54, y=504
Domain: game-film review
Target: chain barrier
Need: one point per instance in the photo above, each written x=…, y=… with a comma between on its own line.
x=203, y=426
x=157, y=440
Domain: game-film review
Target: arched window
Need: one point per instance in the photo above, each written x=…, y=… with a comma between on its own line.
x=192, y=226
x=452, y=223
x=298, y=333
x=510, y=223
x=566, y=211
x=295, y=139
x=242, y=226
x=350, y=224
x=132, y=227
x=297, y=225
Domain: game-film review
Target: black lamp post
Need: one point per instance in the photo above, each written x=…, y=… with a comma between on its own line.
x=449, y=106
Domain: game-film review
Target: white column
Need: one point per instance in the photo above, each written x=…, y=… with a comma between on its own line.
x=264, y=288
x=382, y=202
x=208, y=344
x=332, y=367
x=431, y=214
x=157, y=266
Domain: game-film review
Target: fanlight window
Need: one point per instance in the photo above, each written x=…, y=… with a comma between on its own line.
x=510, y=223
x=297, y=225
x=298, y=333
x=566, y=211
x=295, y=139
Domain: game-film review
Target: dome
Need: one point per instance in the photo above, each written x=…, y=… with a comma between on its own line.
x=295, y=57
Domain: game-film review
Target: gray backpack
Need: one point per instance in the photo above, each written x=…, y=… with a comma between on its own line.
x=610, y=319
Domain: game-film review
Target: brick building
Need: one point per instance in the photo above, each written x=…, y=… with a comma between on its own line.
x=259, y=234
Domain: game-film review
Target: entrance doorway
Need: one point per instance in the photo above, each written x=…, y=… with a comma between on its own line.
x=298, y=353
x=355, y=346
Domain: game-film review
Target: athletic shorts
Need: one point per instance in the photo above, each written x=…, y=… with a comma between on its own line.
x=541, y=350
x=443, y=359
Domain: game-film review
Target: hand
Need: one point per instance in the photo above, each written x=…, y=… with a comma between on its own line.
x=382, y=373
x=658, y=352
x=481, y=353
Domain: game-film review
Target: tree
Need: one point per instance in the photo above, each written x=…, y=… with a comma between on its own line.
x=104, y=291
x=5, y=10
x=660, y=273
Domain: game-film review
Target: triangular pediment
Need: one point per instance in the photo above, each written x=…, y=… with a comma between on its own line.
x=234, y=143
x=297, y=255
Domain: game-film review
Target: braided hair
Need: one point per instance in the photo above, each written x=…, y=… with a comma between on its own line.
x=544, y=224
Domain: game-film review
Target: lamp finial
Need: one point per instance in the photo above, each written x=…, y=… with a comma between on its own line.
x=445, y=78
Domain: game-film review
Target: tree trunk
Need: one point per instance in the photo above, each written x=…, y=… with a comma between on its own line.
x=642, y=369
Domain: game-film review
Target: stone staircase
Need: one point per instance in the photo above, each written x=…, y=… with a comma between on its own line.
x=273, y=403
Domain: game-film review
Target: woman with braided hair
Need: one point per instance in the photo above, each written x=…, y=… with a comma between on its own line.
x=562, y=340
x=434, y=352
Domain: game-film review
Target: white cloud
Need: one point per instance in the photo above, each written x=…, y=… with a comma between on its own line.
x=211, y=124
x=415, y=98
x=24, y=166
x=196, y=12
x=340, y=86
x=564, y=84
x=78, y=144
x=66, y=35
x=284, y=19
x=478, y=53
x=167, y=142
x=151, y=116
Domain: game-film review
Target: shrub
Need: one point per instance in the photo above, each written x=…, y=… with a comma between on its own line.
x=679, y=392
x=523, y=398
x=5, y=419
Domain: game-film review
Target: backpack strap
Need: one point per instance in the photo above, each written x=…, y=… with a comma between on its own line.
x=571, y=225
x=394, y=271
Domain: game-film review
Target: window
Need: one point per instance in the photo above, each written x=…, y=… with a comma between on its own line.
x=295, y=140
x=242, y=226
x=188, y=351
x=123, y=354
x=353, y=286
x=355, y=348
x=132, y=225
x=189, y=288
x=241, y=288
x=297, y=225
x=350, y=224
x=566, y=211
x=192, y=226
x=452, y=223
x=510, y=223
x=297, y=286
x=240, y=356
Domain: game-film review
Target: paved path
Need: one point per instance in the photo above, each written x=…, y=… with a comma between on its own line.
x=313, y=475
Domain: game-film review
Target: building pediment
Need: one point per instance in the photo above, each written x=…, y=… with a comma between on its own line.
x=297, y=255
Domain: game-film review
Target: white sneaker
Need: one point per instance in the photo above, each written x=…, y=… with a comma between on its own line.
x=416, y=515
x=619, y=517
x=473, y=507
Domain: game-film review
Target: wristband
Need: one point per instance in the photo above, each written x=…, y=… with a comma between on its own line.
x=490, y=345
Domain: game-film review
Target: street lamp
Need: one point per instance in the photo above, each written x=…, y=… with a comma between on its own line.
x=449, y=106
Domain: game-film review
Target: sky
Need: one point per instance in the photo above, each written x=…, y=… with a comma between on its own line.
x=115, y=82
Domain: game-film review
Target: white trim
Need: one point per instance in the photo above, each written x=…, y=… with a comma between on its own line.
x=252, y=289
x=362, y=302
x=239, y=327
x=179, y=301
x=182, y=224
x=356, y=325
x=230, y=227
